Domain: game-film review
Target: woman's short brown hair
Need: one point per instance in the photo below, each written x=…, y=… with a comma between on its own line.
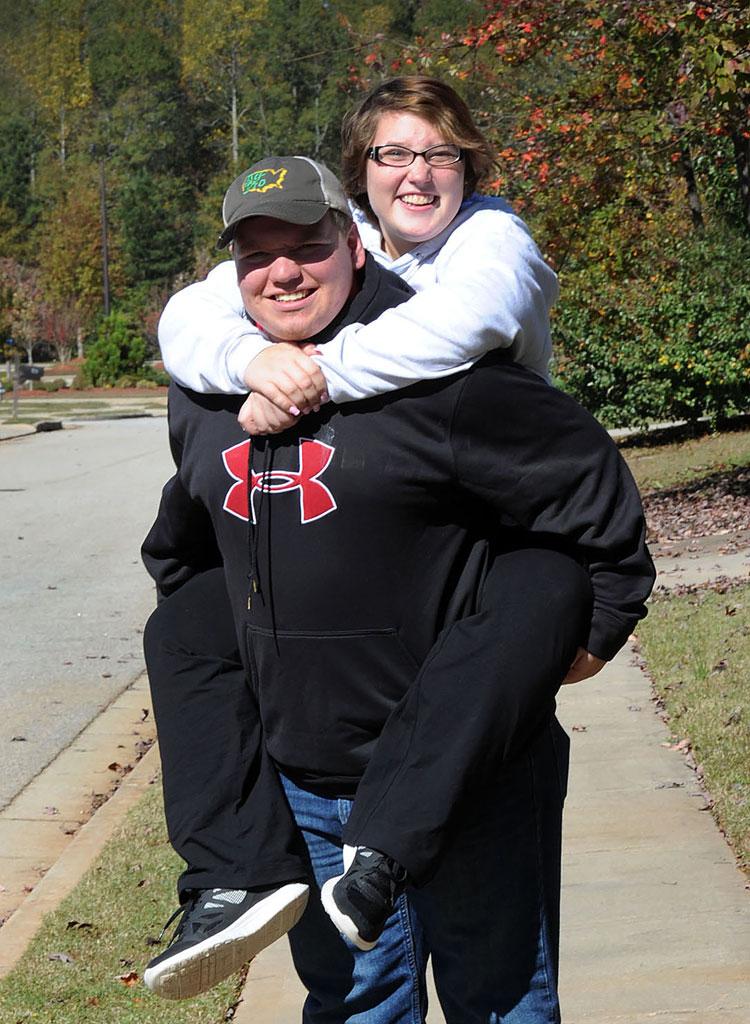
x=428, y=98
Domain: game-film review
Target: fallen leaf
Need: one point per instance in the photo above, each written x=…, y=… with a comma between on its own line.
x=79, y=925
x=144, y=714
x=64, y=958
x=730, y=611
x=92, y=1001
x=115, y=766
x=735, y=717
x=129, y=979
x=579, y=728
x=18, y=739
x=51, y=810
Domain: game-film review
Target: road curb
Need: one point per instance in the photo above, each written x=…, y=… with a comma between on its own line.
x=72, y=865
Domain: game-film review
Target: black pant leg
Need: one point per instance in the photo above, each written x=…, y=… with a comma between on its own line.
x=227, y=814
x=491, y=911
x=485, y=689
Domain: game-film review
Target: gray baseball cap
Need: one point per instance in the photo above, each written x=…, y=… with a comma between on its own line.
x=294, y=189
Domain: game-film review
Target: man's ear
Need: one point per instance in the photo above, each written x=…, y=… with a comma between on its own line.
x=356, y=248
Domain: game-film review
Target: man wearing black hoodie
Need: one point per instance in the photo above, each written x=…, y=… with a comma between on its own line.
x=352, y=546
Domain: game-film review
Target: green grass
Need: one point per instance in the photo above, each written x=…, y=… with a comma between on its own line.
x=123, y=900
x=697, y=648
x=659, y=466
x=32, y=410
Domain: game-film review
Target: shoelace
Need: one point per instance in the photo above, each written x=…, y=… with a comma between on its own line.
x=180, y=912
x=382, y=872
x=185, y=911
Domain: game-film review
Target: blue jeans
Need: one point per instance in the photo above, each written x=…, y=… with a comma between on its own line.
x=489, y=917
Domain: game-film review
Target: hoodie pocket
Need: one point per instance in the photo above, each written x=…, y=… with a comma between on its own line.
x=325, y=696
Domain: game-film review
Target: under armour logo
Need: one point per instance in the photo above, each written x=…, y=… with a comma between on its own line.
x=315, y=500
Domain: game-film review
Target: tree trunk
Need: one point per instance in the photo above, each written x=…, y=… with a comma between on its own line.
x=694, y=200
x=263, y=118
x=235, y=129
x=235, y=115
x=79, y=342
x=318, y=136
x=66, y=348
x=105, y=237
x=742, y=159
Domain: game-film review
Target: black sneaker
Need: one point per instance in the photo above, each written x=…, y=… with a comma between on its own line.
x=220, y=930
x=360, y=901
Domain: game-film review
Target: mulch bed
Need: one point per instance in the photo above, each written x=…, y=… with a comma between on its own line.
x=717, y=504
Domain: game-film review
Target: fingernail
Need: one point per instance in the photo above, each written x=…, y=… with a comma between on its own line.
x=324, y=397
x=316, y=408
x=294, y=410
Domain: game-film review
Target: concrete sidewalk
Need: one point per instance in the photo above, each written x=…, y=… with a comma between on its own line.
x=656, y=915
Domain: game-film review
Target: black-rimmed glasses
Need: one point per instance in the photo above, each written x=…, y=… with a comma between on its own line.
x=401, y=156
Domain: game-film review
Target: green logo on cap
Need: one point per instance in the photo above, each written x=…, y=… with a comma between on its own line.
x=261, y=181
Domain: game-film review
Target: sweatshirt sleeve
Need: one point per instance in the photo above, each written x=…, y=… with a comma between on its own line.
x=490, y=288
x=206, y=340
x=545, y=465
x=182, y=542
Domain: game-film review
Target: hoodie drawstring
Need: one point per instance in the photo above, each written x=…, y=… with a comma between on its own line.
x=253, y=534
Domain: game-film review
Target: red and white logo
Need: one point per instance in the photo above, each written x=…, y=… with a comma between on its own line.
x=315, y=500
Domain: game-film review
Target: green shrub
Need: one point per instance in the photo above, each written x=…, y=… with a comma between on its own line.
x=671, y=344
x=56, y=384
x=147, y=377
x=117, y=351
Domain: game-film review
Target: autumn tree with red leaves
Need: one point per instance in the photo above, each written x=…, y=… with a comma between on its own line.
x=622, y=133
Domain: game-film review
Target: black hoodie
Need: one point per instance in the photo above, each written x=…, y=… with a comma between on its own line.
x=365, y=517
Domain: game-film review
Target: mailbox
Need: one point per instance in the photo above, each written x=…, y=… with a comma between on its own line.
x=27, y=372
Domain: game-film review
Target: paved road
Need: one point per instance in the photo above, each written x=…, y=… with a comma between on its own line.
x=74, y=507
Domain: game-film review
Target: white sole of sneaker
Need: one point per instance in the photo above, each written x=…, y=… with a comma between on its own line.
x=205, y=964
x=343, y=922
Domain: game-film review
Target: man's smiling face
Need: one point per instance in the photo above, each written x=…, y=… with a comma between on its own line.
x=295, y=278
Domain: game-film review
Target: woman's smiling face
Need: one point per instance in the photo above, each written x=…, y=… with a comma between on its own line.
x=414, y=203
